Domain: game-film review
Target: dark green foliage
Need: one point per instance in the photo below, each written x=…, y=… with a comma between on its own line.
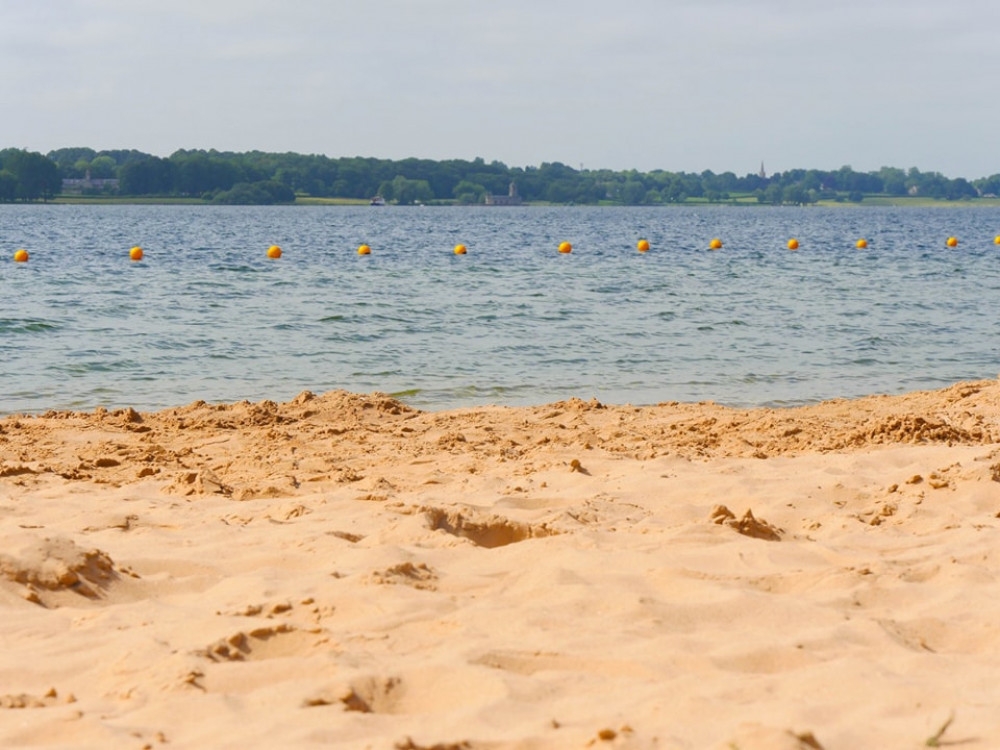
x=152, y=176
x=8, y=186
x=406, y=191
x=27, y=176
x=261, y=193
x=467, y=191
x=69, y=159
x=262, y=177
x=989, y=185
x=405, y=181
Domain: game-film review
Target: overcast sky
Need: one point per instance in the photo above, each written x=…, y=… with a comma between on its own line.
x=681, y=85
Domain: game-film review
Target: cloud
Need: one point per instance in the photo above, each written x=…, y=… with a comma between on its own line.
x=684, y=84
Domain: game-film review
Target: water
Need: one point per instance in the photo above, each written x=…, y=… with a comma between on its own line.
x=207, y=316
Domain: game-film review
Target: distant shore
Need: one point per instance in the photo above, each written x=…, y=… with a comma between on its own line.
x=747, y=201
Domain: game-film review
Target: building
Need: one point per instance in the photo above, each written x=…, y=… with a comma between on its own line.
x=89, y=184
x=511, y=199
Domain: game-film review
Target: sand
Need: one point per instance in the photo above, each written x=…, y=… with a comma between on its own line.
x=345, y=571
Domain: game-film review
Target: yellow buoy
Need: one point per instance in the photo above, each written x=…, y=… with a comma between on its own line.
x=715, y=244
x=793, y=244
x=364, y=250
x=460, y=249
x=643, y=246
x=952, y=242
x=274, y=252
x=21, y=256
x=996, y=240
x=862, y=244
x=135, y=253
x=565, y=247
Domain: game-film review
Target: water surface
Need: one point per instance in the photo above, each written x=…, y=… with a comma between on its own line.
x=206, y=315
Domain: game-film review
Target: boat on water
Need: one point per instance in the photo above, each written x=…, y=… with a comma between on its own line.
x=378, y=200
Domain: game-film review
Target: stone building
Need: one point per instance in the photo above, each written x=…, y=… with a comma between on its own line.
x=89, y=184
x=511, y=199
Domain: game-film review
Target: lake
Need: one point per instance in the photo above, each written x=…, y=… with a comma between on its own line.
x=207, y=315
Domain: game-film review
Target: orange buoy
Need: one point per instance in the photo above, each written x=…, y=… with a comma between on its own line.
x=862, y=244
x=565, y=247
x=996, y=240
x=21, y=256
x=793, y=244
x=642, y=246
x=460, y=249
x=715, y=244
x=364, y=250
x=274, y=252
x=135, y=253
x=952, y=242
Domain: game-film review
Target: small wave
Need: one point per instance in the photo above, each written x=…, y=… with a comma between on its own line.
x=409, y=393
x=11, y=325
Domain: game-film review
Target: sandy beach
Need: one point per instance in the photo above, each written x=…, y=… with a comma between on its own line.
x=345, y=571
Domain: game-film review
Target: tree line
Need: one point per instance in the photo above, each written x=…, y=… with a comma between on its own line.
x=258, y=177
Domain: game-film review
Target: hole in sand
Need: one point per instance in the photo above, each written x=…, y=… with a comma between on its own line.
x=373, y=696
x=263, y=643
x=492, y=531
x=423, y=692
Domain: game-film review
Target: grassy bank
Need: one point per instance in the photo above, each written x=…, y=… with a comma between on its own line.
x=302, y=200
x=112, y=200
x=733, y=200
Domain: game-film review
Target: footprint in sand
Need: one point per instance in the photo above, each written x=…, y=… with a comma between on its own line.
x=263, y=643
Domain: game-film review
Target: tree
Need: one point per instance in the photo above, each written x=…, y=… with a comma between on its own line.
x=989, y=185
x=771, y=194
x=103, y=168
x=469, y=192
x=407, y=191
x=261, y=193
x=77, y=171
x=794, y=194
x=633, y=192
x=37, y=176
x=73, y=162
x=209, y=173
x=893, y=180
x=196, y=173
x=152, y=176
x=812, y=180
x=959, y=189
x=8, y=186
x=932, y=184
x=560, y=191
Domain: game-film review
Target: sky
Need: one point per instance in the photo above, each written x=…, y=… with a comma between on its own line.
x=679, y=85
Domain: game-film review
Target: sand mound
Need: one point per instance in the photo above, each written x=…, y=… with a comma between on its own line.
x=245, y=451
x=54, y=565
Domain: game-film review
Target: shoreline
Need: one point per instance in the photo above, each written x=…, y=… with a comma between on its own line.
x=879, y=201
x=342, y=570
x=849, y=407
